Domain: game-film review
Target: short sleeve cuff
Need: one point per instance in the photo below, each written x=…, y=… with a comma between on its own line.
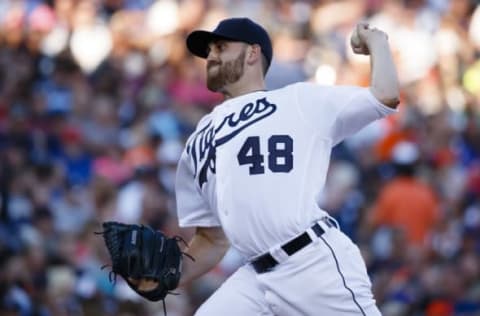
x=382, y=108
x=198, y=222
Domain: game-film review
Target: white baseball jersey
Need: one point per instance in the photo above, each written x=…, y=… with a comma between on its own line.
x=257, y=163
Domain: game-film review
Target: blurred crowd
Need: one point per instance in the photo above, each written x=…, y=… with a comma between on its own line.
x=97, y=98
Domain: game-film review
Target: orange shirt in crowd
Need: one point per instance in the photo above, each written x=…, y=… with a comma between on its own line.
x=408, y=204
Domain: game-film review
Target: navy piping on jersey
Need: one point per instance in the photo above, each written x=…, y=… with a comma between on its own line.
x=343, y=278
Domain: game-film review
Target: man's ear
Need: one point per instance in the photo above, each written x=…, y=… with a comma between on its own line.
x=254, y=53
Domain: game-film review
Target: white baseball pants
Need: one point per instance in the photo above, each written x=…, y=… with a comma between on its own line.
x=327, y=277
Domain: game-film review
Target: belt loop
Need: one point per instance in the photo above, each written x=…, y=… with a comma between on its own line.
x=312, y=235
x=278, y=253
x=323, y=224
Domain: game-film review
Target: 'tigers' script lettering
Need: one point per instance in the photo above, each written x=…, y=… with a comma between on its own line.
x=201, y=146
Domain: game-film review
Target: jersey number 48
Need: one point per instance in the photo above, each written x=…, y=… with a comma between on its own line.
x=280, y=154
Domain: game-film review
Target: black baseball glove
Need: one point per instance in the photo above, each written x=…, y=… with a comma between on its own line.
x=139, y=252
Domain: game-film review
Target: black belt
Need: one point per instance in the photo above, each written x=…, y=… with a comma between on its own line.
x=267, y=262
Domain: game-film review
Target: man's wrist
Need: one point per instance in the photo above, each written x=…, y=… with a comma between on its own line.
x=377, y=42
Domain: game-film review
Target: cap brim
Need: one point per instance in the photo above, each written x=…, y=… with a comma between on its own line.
x=197, y=42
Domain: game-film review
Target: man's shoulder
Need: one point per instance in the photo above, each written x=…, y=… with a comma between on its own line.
x=293, y=88
x=307, y=86
x=205, y=118
x=297, y=85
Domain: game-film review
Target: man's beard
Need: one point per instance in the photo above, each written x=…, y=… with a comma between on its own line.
x=227, y=73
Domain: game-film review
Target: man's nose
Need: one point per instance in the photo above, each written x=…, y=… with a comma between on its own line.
x=211, y=56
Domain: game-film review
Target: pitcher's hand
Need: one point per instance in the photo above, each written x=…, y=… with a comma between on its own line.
x=144, y=285
x=363, y=36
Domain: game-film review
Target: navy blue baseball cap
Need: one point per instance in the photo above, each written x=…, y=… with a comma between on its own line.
x=233, y=29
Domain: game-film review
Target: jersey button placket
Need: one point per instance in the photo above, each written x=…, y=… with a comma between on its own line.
x=220, y=188
x=220, y=196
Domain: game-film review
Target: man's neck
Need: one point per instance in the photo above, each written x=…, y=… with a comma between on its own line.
x=238, y=89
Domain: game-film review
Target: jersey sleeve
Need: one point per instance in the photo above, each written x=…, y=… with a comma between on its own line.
x=192, y=208
x=342, y=110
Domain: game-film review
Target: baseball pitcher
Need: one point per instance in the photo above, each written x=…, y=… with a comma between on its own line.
x=252, y=171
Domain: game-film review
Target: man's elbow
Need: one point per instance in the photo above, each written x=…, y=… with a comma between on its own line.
x=214, y=235
x=391, y=102
x=388, y=98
